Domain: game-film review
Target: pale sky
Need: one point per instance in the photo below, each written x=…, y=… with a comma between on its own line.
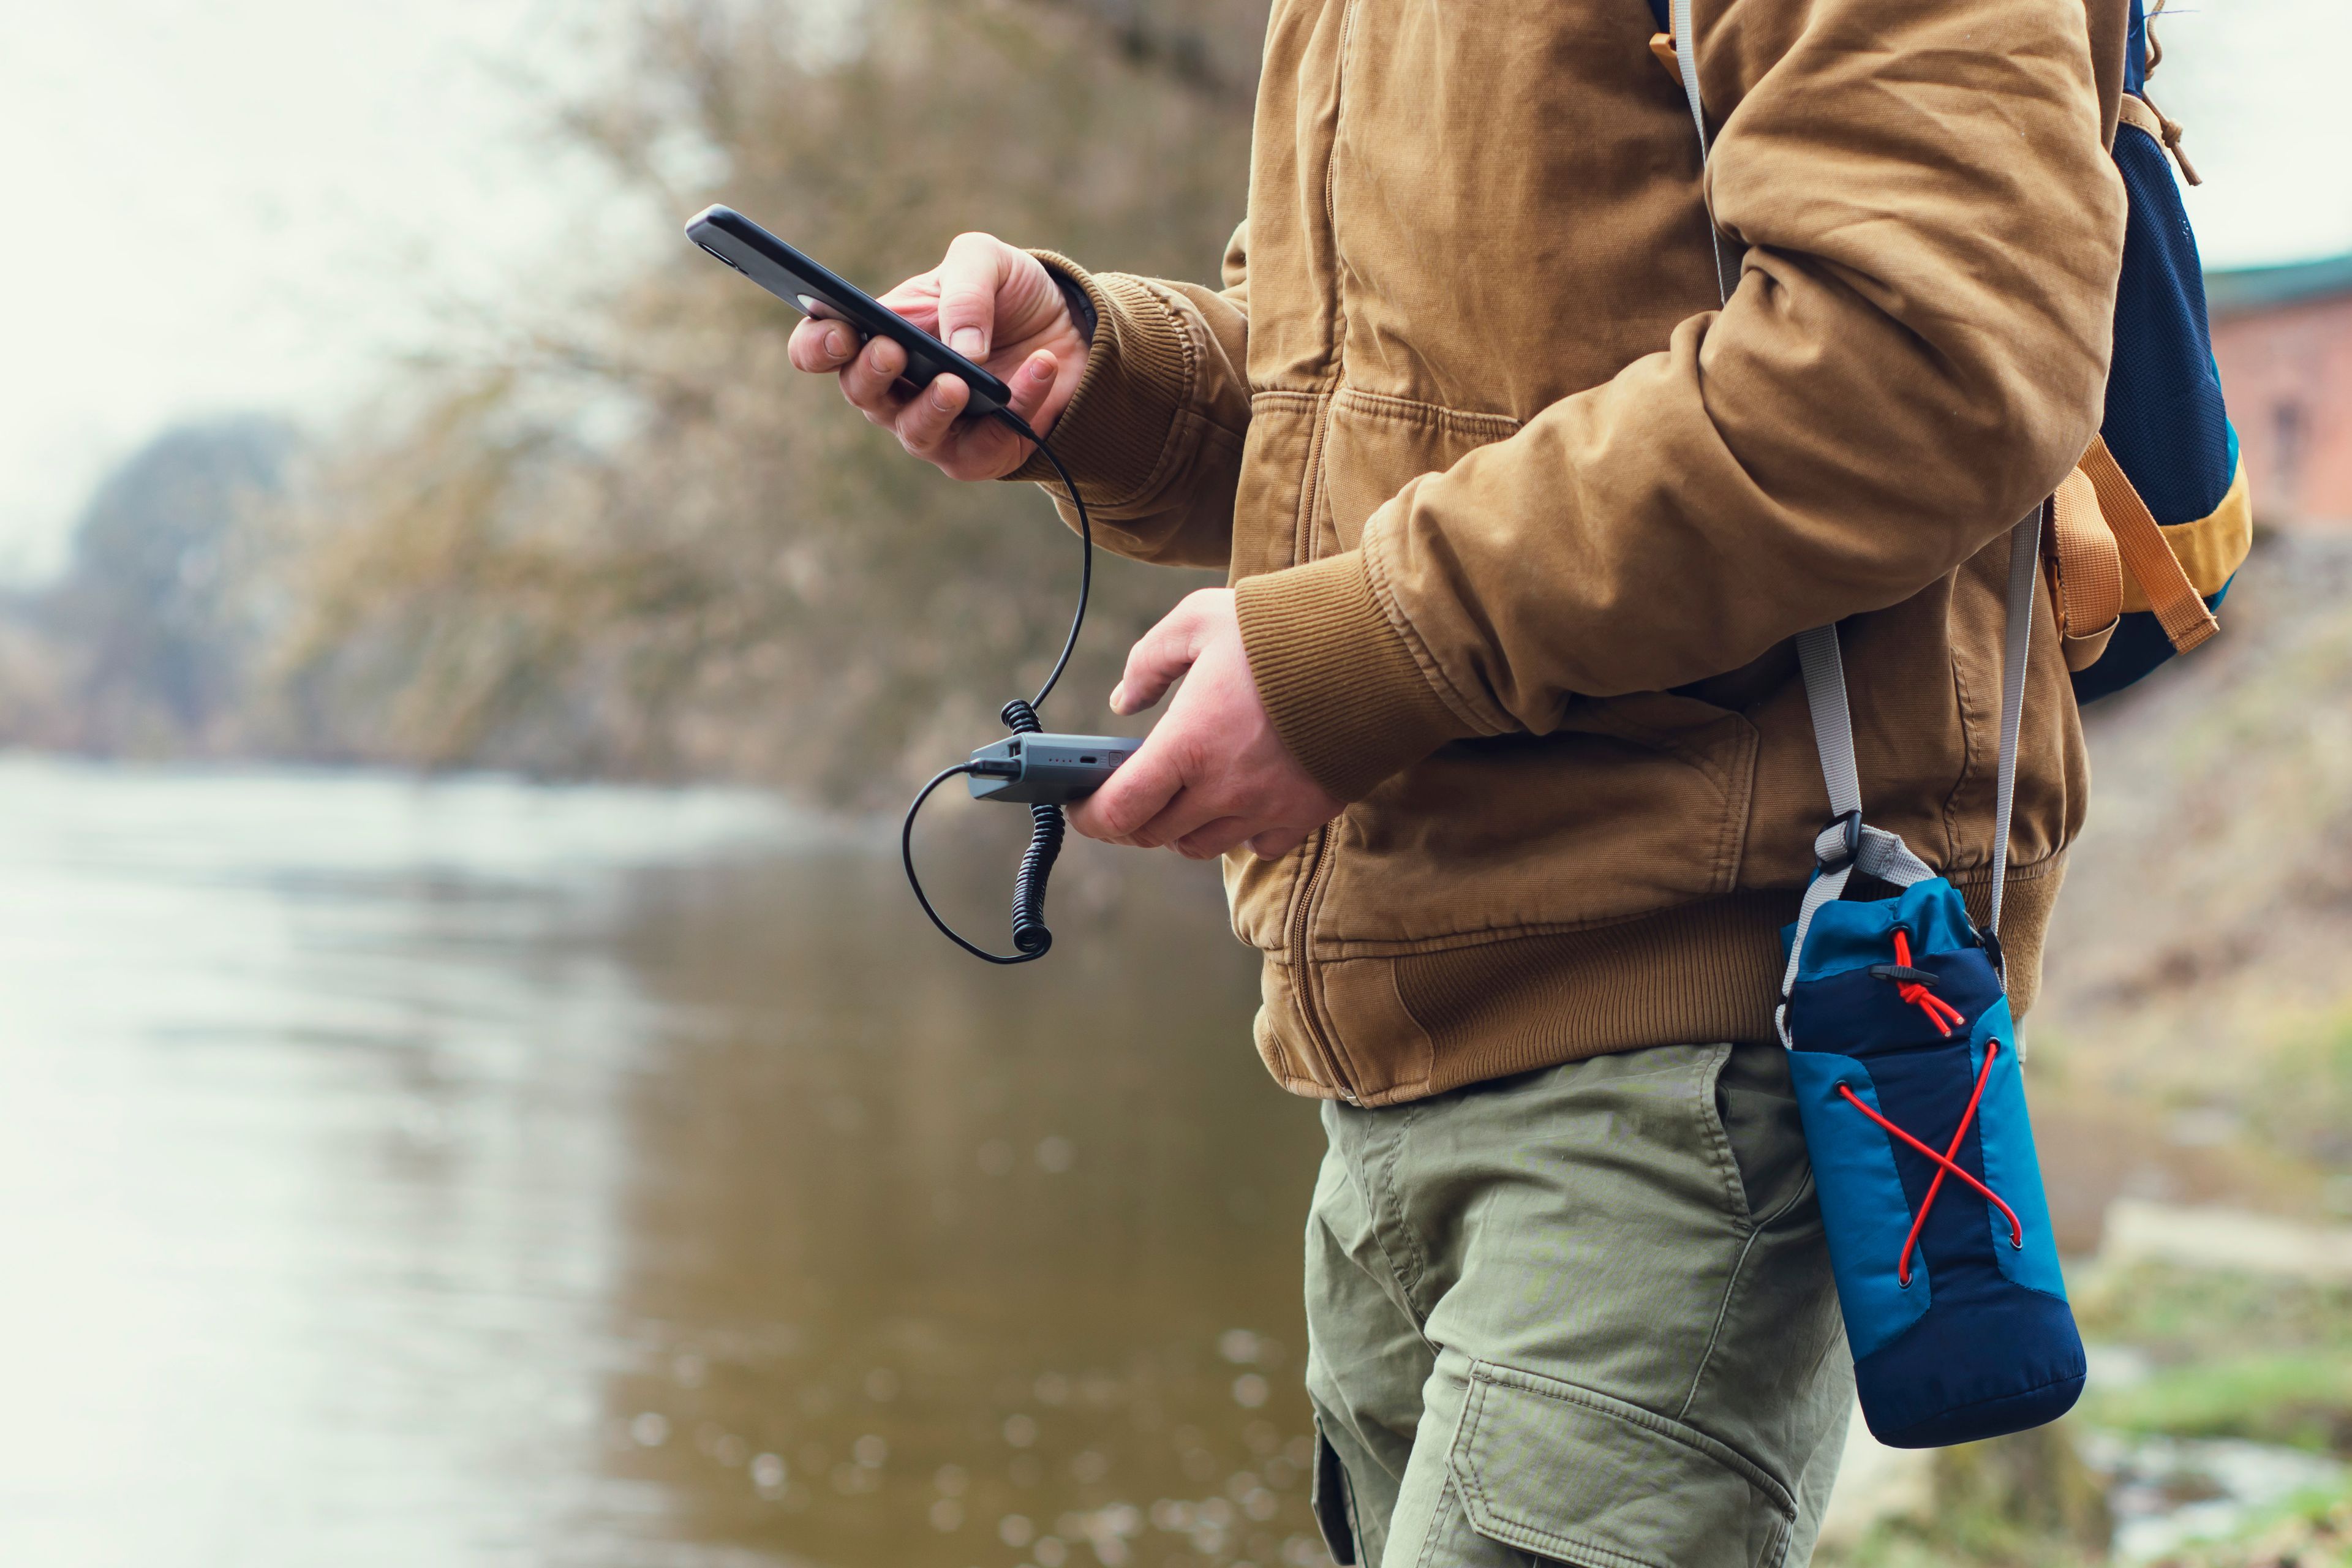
x=209, y=206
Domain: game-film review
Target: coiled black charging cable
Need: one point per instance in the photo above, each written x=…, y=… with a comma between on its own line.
x=1031, y=939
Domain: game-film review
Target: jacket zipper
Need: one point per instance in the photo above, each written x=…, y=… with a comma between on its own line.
x=1302, y=913
x=1303, y=976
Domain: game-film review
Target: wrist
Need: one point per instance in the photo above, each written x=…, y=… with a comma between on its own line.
x=1338, y=683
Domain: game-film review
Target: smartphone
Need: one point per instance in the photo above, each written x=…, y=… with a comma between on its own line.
x=814, y=290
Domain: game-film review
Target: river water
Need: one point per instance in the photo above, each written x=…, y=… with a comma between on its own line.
x=470, y=1172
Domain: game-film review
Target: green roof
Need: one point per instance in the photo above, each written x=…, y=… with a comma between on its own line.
x=2257, y=287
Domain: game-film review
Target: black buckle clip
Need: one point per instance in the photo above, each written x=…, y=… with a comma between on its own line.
x=1850, y=844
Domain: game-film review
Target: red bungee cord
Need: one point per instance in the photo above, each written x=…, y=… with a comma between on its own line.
x=1940, y=1013
x=1945, y=1162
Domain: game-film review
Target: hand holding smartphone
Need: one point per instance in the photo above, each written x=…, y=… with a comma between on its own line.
x=1004, y=339
x=816, y=291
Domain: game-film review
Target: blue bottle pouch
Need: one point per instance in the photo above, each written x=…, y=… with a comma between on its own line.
x=1905, y=1067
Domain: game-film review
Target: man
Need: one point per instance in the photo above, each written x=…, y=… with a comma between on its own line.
x=1499, y=727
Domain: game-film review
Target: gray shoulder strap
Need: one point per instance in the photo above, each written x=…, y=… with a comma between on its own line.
x=1686, y=59
x=2025, y=582
x=1848, y=844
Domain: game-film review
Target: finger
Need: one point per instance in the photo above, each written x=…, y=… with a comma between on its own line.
x=866, y=380
x=816, y=346
x=918, y=300
x=1139, y=791
x=1280, y=841
x=1192, y=810
x=1031, y=383
x=925, y=420
x=1213, y=840
x=968, y=279
x=1158, y=658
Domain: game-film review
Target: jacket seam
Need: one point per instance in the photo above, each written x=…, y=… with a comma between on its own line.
x=1310, y=487
x=1968, y=754
x=1477, y=936
x=1418, y=1084
x=1739, y=796
x=1171, y=450
x=1419, y=411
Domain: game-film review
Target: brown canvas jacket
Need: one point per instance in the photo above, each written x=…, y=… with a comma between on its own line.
x=1521, y=521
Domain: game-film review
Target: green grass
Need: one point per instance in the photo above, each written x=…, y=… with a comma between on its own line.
x=2299, y=1398
x=2233, y=1356
x=2180, y=1316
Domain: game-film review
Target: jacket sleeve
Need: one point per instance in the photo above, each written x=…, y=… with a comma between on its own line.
x=1913, y=357
x=1153, y=435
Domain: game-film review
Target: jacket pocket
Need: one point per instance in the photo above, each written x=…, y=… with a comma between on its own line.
x=1564, y=1472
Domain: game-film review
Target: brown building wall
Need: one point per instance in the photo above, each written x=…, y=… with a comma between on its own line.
x=2286, y=374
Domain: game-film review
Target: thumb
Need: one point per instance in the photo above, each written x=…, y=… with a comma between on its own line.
x=1157, y=658
x=969, y=277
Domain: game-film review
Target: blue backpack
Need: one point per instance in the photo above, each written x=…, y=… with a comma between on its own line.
x=2167, y=502
x=2146, y=535
x=1894, y=1012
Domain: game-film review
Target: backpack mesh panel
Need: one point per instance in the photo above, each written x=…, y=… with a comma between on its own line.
x=2164, y=418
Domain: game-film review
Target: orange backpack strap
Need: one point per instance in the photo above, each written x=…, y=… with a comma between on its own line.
x=2086, y=569
x=2149, y=559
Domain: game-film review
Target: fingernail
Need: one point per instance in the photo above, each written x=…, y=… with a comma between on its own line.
x=834, y=343
x=938, y=396
x=1118, y=698
x=969, y=344
x=1041, y=369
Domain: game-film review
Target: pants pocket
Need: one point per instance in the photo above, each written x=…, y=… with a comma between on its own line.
x=1756, y=1114
x=1564, y=1472
x=1328, y=1496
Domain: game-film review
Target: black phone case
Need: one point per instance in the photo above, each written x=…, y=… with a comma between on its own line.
x=813, y=289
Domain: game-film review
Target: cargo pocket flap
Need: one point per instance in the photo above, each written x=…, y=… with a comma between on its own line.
x=1569, y=1474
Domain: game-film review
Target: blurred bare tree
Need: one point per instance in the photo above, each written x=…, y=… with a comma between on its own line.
x=147, y=645
x=644, y=546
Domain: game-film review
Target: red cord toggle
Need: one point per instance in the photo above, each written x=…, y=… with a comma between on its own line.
x=1944, y=1162
x=1940, y=1013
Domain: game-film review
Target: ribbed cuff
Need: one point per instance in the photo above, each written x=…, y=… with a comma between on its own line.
x=1139, y=377
x=1336, y=678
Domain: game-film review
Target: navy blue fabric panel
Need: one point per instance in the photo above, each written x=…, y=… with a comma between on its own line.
x=1956, y=1376
x=1659, y=14
x=1857, y=1014
x=2138, y=645
x=2134, y=50
x=2163, y=420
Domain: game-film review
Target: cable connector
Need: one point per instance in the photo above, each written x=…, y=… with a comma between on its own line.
x=1069, y=767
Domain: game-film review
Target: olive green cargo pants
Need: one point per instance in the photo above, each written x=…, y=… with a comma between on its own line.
x=1582, y=1315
